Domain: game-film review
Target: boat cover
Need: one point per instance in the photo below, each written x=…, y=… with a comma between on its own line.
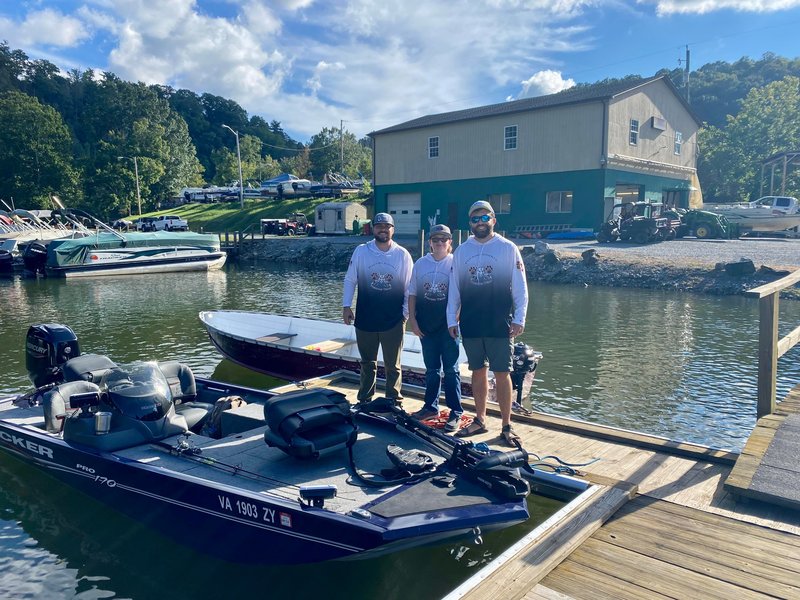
x=67, y=252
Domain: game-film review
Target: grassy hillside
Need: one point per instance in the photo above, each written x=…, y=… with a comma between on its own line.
x=227, y=216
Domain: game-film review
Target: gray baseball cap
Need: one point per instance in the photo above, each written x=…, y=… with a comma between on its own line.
x=479, y=205
x=383, y=218
x=441, y=230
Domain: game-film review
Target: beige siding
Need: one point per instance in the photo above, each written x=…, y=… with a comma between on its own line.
x=655, y=99
x=565, y=138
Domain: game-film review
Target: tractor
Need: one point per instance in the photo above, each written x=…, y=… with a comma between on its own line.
x=639, y=222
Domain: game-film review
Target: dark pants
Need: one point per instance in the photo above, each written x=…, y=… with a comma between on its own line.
x=391, y=344
x=440, y=353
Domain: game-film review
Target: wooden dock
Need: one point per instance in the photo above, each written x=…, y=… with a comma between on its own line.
x=658, y=521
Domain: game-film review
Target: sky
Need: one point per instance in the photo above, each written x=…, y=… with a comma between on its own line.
x=370, y=64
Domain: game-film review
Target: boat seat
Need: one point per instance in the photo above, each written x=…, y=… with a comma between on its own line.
x=56, y=402
x=306, y=423
x=87, y=367
x=184, y=392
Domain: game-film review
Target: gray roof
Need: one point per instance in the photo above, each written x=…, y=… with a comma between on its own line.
x=574, y=95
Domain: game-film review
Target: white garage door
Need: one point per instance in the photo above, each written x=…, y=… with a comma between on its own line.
x=405, y=210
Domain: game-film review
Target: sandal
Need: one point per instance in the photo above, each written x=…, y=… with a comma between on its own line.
x=510, y=436
x=473, y=428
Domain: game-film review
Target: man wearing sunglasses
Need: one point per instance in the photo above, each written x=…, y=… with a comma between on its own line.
x=380, y=270
x=487, y=302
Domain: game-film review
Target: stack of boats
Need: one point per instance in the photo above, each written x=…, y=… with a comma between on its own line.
x=61, y=244
x=20, y=227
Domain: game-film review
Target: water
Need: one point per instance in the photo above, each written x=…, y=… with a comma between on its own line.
x=671, y=364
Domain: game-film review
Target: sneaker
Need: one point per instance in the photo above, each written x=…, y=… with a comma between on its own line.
x=509, y=436
x=452, y=421
x=425, y=413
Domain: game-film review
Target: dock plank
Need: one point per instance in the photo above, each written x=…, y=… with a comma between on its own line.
x=652, y=574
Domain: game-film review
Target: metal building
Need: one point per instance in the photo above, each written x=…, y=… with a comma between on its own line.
x=546, y=163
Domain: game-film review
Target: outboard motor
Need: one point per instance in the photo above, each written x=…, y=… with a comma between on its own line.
x=34, y=256
x=525, y=360
x=6, y=262
x=47, y=347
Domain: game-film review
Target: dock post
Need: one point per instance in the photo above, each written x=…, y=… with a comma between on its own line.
x=767, y=353
x=421, y=241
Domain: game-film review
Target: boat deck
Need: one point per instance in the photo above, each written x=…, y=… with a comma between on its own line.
x=662, y=524
x=242, y=458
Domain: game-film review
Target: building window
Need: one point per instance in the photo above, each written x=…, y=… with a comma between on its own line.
x=501, y=203
x=634, y=135
x=559, y=202
x=678, y=142
x=433, y=147
x=510, y=137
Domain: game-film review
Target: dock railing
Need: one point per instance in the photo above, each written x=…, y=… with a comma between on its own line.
x=770, y=348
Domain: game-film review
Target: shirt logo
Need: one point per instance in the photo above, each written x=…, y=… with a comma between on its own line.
x=381, y=281
x=435, y=292
x=481, y=275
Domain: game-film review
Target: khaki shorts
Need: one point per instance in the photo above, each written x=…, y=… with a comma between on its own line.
x=491, y=351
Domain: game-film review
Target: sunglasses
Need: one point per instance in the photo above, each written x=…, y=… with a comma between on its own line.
x=439, y=240
x=481, y=219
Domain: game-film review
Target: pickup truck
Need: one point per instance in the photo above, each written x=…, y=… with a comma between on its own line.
x=170, y=223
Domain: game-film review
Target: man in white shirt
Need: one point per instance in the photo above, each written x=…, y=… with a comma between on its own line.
x=487, y=304
x=380, y=270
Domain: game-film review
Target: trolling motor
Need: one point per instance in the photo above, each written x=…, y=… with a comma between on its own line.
x=525, y=360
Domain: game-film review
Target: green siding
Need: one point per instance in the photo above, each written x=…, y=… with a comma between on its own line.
x=528, y=195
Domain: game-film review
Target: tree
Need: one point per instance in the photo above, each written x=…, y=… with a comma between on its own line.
x=35, y=153
x=334, y=151
x=768, y=123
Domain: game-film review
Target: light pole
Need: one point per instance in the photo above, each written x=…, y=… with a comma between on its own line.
x=239, y=158
x=136, y=171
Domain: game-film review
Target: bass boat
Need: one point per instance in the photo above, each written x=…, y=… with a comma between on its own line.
x=252, y=476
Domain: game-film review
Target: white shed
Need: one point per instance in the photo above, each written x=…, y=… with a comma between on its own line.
x=338, y=217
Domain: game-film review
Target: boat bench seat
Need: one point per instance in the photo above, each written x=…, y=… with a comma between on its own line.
x=306, y=423
x=275, y=337
x=330, y=345
x=87, y=367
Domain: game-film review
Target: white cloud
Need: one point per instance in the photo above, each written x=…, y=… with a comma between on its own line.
x=543, y=83
x=667, y=7
x=47, y=26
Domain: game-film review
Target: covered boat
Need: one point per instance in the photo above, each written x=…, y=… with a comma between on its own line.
x=112, y=253
x=247, y=475
x=296, y=348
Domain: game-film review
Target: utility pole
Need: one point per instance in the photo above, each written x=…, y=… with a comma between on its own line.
x=341, y=146
x=239, y=158
x=686, y=77
x=138, y=193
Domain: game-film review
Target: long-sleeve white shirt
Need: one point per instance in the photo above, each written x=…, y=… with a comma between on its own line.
x=382, y=282
x=488, y=290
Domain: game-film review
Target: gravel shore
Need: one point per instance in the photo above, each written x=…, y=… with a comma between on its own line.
x=687, y=264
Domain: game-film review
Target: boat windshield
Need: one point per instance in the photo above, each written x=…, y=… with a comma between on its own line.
x=138, y=390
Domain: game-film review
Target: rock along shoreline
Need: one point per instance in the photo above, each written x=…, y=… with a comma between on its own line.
x=549, y=264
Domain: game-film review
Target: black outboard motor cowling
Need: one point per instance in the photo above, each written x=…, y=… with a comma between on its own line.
x=47, y=347
x=34, y=256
